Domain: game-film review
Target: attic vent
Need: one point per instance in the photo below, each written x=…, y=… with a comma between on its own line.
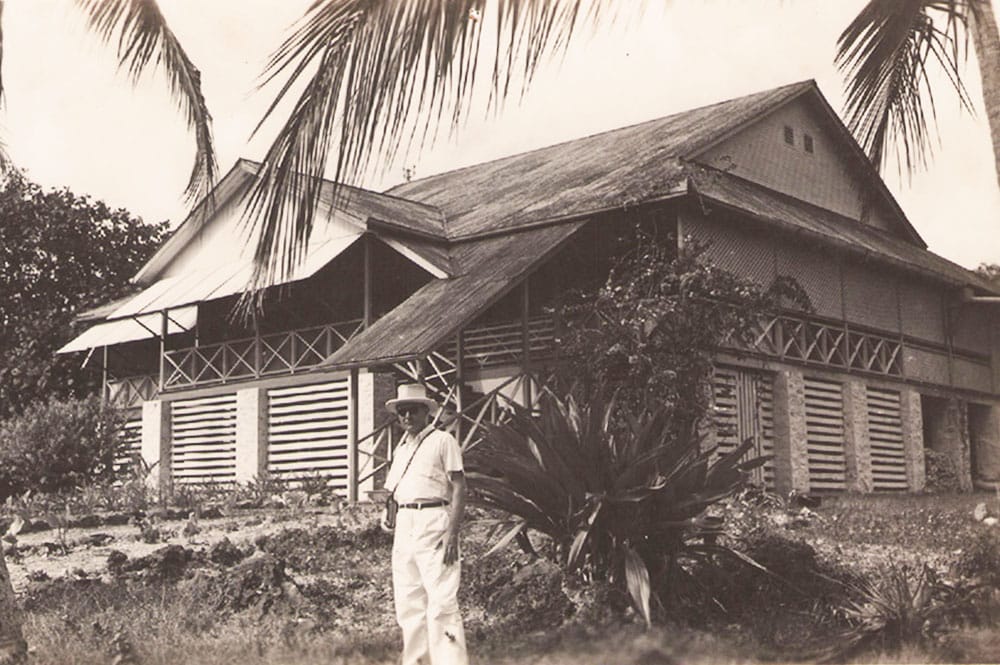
x=807, y=143
x=789, y=135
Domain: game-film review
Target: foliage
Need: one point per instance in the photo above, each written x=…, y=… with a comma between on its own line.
x=980, y=558
x=654, y=327
x=990, y=271
x=58, y=445
x=59, y=254
x=903, y=606
x=622, y=504
x=940, y=472
x=885, y=53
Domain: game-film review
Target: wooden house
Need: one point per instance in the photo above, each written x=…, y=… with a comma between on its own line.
x=447, y=279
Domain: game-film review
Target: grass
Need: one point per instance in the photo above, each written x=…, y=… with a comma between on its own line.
x=335, y=606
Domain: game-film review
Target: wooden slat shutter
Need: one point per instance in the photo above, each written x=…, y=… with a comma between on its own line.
x=131, y=442
x=885, y=436
x=307, y=431
x=203, y=433
x=744, y=407
x=824, y=402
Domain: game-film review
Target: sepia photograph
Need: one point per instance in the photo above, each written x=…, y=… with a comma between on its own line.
x=554, y=332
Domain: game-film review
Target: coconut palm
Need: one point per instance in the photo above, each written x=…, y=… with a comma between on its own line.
x=144, y=41
x=885, y=54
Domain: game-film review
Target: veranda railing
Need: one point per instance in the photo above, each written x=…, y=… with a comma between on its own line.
x=255, y=357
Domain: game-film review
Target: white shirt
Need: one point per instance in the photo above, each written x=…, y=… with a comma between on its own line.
x=426, y=476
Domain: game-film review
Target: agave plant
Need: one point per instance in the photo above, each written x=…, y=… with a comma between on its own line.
x=622, y=498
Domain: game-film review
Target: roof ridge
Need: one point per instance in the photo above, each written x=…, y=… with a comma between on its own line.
x=805, y=83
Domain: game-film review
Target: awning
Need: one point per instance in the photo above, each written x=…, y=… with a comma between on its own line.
x=131, y=329
x=442, y=307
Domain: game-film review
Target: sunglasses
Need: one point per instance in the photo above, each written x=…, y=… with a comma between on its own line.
x=407, y=409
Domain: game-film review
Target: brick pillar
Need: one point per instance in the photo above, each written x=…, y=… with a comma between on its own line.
x=857, y=444
x=984, y=434
x=791, y=463
x=155, y=445
x=251, y=434
x=912, y=416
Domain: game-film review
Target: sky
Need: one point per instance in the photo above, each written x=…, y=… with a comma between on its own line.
x=71, y=119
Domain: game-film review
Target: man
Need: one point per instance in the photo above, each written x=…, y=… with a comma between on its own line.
x=428, y=482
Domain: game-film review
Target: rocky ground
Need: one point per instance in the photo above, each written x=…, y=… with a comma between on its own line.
x=310, y=584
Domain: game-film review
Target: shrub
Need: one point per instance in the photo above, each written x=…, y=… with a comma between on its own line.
x=621, y=503
x=941, y=474
x=59, y=445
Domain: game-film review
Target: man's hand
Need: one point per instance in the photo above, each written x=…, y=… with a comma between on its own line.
x=382, y=523
x=450, y=547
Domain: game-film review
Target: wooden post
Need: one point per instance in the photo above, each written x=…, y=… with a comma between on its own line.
x=257, y=355
x=163, y=349
x=352, y=438
x=13, y=648
x=459, y=382
x=525, y=344
x=105, y=389
x=367, y=283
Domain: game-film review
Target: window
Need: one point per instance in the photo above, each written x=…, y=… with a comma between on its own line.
x=789, y=135
x=807, y=143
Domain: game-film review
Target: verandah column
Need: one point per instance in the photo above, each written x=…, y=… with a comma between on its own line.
x=155, y=444
x=251, y=434
x=911, y=415
x=791, y=460
x=857, y=442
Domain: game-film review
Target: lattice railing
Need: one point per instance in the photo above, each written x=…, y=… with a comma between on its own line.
x=131, y=391
x=254, y=357
x=503, y=343
x=837, y=345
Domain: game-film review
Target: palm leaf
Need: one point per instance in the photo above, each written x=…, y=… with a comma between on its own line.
x=379, y=76
x=884, y=55
x=144, y=39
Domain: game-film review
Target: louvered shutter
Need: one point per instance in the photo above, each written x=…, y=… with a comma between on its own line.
x=824, y=403
x=203, y=433
x=307, y=431
x=885, y=436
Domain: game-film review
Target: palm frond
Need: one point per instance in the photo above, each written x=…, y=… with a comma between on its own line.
x=144, y=39
x=379, y=77
x=884, y=54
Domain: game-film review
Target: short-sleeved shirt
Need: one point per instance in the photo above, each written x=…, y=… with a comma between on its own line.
x=427, y=475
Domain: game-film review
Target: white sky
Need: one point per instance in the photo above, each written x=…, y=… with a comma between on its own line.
x=71, y=120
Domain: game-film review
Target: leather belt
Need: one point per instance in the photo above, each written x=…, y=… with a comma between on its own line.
x=423, y=504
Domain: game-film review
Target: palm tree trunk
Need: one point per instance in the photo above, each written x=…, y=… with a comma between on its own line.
x=13, y=648
x=986, y=42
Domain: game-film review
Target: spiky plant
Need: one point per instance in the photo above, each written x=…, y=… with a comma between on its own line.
x=622, y=498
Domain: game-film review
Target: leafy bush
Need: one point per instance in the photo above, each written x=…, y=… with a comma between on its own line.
x=940, y=472
x=58, y=445
x=980, y=558
x=654, y=328
x=623, y=504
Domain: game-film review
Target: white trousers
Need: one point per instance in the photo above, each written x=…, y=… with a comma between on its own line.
x=426, y=590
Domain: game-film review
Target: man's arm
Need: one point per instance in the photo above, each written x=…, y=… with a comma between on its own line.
x=456, y=508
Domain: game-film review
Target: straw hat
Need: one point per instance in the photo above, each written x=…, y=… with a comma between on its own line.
x=411, y=393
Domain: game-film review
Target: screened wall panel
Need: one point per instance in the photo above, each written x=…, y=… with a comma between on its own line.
x=308, y=430
x=921, y=310
x=746, y=254
x=973, y=375
x=744, y=407
x=885, y=437
x=971, y=329
x=824, y=406
x=203, y=436
x=870, y=296
x=818, y=273
x=926, y=365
